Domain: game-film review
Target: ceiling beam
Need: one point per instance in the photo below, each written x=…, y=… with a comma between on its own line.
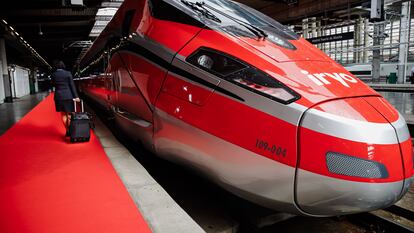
x=54, y=23
x=89, y=12
x=306, y=8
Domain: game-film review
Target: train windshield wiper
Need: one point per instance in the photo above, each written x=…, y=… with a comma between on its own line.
x=198, y=7
x=255, y=30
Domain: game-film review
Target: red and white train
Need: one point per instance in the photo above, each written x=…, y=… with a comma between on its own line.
x=230, y=92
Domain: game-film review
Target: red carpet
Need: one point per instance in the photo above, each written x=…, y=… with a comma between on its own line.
x=49, y=185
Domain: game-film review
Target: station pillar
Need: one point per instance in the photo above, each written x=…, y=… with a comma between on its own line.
x=366, y=42
x=5, y=82
x=314, y=31
x=305, y=29
x=378, y=40
x=404, y=40
x=2, y=95
x=358, y=39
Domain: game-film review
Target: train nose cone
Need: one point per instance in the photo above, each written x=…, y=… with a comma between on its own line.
x=354, y=155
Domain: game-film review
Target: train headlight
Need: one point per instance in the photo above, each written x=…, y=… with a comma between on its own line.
x=242, y=74
x=205, y=61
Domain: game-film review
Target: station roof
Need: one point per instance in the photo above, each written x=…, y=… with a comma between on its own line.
x=55, y=28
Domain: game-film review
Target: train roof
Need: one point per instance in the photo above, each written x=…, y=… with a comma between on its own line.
x=111, y=30
x=222, y=15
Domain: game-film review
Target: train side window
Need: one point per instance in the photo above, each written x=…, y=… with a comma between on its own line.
x=126, y=24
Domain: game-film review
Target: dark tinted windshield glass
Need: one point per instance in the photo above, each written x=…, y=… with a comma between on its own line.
x=225, y=10
x=236, y=11
x=270, y=23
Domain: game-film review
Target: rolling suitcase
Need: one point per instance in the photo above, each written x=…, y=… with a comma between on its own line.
x=80, y=125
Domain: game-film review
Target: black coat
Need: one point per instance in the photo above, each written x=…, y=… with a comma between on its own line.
x=64, y=86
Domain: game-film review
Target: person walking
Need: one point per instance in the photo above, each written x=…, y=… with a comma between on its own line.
x=65, y=92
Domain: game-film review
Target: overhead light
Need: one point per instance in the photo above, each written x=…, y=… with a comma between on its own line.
x=12, y=68
x=76, y=2
x=40, y=30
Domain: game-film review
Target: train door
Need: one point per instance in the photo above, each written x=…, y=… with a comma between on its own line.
x=109, y=85
x=112, y=82
x=131, y=109
x=107, y=82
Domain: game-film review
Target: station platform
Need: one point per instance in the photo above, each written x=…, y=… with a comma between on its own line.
x=403, y=102
x=392, y=87
x=50, y=185
x=12, y=112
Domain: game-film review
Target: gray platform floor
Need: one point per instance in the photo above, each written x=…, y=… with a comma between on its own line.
x=10, y=113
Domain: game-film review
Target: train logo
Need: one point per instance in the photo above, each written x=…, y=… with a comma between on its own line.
x=321, y=78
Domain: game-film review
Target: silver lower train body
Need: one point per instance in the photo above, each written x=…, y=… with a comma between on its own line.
x=257, y=178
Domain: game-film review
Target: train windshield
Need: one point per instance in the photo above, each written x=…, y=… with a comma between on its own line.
x=236, y=17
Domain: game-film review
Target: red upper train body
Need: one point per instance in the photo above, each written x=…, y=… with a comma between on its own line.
x=224, y=89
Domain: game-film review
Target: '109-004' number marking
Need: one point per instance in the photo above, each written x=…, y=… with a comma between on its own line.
x=276, y=150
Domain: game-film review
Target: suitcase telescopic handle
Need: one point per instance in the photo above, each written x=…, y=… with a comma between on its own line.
x=74, y=104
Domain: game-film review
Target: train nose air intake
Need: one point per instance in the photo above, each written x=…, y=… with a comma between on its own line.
x=349, y=157
x=352, y=166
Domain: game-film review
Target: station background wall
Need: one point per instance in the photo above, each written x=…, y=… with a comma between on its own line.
x=20, y=82
x=2, y=95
